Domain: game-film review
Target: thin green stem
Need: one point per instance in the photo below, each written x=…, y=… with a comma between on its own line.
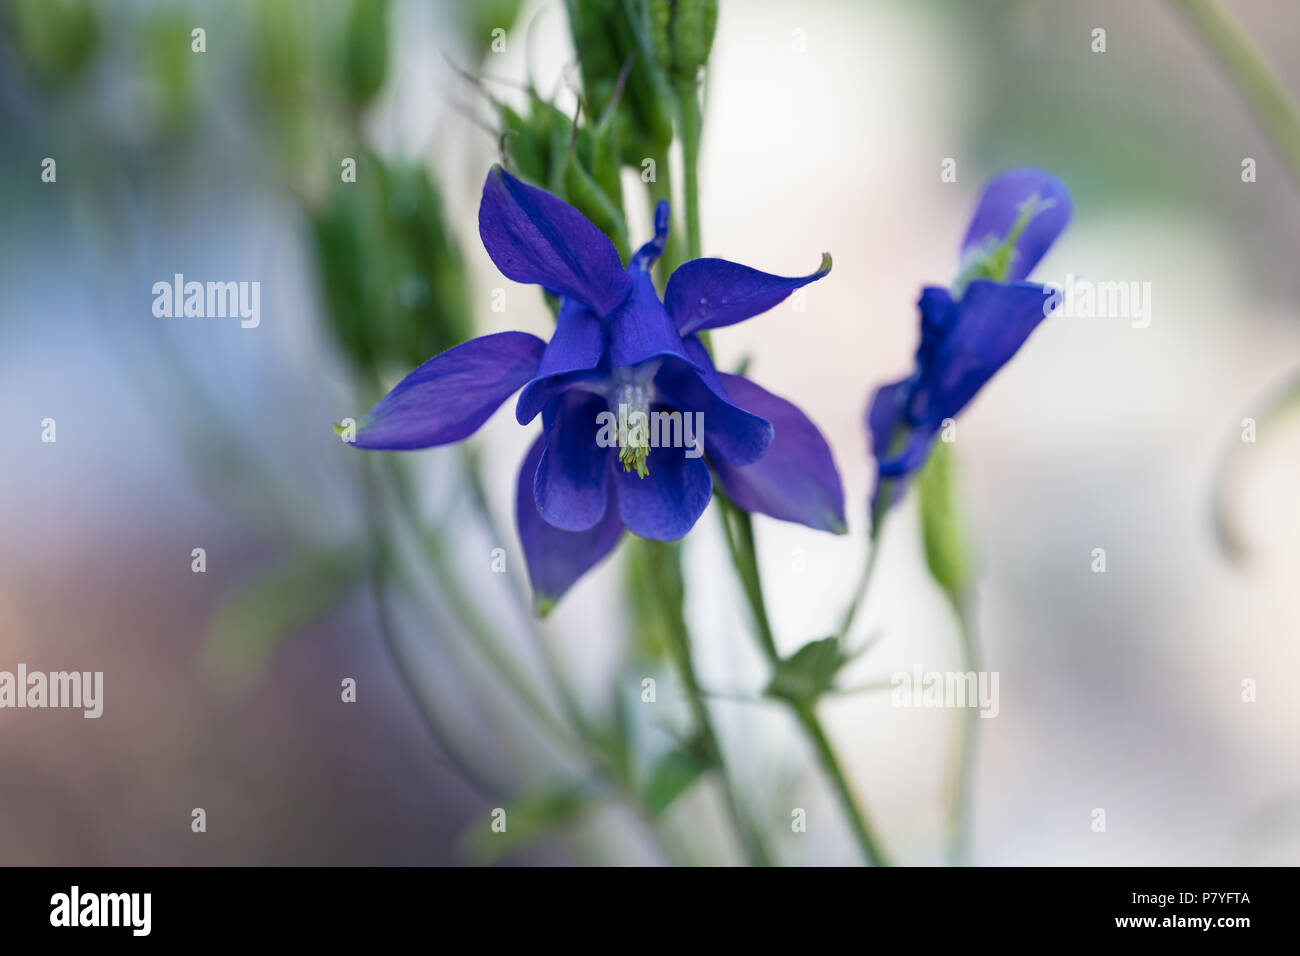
x=690, y=123
x=868, y=570
x=961, y=774
x=744, y=555
x=1256, y=81
x=862, y=828
x=739, y=530
x=378, y=574
x=679, y=640
x=554, y=671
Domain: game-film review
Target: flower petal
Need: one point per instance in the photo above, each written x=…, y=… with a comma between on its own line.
x=999, y=208
x=576, y=346
x=557, y=559
x=731, y=433
x=640, y=329
x=665, y=504
x=646, y=256
x=710, y=293
x=899, y=447
x=570, y=486
x=796, y=479
x=990, y=323
x=534, y=237
x=451, y=395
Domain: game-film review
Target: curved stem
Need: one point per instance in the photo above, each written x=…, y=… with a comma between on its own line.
x=1250, y=72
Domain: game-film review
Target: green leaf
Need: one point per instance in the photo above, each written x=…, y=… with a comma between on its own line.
x=254, y=620
x=673, y=775
x=527, y=819
x=942, y=528
x=809, y=672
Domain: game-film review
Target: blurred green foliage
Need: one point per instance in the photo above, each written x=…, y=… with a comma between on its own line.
x=55, y=39
x=391, y=275
x=365, y=50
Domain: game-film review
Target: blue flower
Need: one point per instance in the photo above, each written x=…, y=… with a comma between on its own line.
x=617, y=352
x=970, y=331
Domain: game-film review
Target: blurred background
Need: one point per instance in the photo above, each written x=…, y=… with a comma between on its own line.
x=826, y=124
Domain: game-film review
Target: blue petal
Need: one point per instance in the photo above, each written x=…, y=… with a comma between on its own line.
x=900, y=448
x=899, y=445
x=645, y=256
x=999, y=208
x=731, y=433
x=571, y=481
x=989, y=324
x=557, y=559
x=710, y=293
x=796, y=480
x=576, y=346
x=665, y=504
x=451, y=395
x=536, y=238
x=640, y=329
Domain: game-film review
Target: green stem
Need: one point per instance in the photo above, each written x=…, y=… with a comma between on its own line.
x=679, y=641
x=961, y=775
x=1250, y=72
x=554, y=671
x=740, y=540
x=690, y=122
x=378, y=574
x=862, y=828
x=864, y=583
x=739, y=529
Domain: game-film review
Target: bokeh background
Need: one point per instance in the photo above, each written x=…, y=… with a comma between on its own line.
x=825, y=128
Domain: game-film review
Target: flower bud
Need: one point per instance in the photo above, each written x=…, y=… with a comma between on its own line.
x=681, y=34
x=610, y=37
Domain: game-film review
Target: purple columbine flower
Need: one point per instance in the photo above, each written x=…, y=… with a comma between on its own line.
x=970, y=331
x=617, y=352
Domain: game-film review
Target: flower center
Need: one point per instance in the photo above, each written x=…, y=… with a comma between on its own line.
x=630, y=401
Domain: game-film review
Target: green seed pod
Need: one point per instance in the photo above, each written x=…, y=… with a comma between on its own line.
x=681, y=35
x=605, y=211
x=610, y=36
x=526, y=144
